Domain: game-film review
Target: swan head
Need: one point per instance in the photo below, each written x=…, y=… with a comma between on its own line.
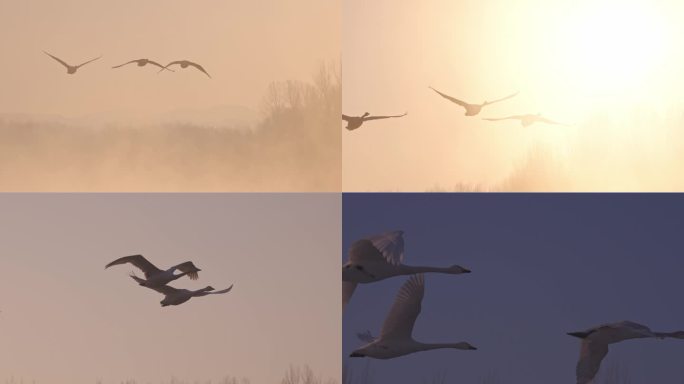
x=356, y=273
x=581, y=335
x=466, y=346
x=365, y=114
x=459, y=269
x=357, y=354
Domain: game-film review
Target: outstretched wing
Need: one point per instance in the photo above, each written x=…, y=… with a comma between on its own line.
x=170, y=64
x=121, y=65
x=164, y=289
x=452, y=99
x=348, y=288
x=391, y=246
x=199, y=67
x=89, y=61
x=383, y=117
x=221, y=291
x=189, y=268
x=159, y=65
x=501, y=99
x=402, y=317
x=366, y=336
x=58, y=59
x=591, y=355
x=514, y=117
x=139, y=261
x=549, y=121
x=364, y=251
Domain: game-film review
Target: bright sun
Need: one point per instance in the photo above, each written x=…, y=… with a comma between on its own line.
x=611, y=46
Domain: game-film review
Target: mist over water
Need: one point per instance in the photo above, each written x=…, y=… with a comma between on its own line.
x=293, y=146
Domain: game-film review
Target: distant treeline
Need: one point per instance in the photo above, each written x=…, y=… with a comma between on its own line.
x=295, y=147
x=294, y=375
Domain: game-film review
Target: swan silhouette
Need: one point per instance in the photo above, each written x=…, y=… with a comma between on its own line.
x=155, y=277
x=472, y=109
x=71, y=69
x=527, y=120
x=595, y=344
x=144, y=62
x=380, y=257
x=395, y=337
x=174, y=296
x=184, y=64
x=354, y=122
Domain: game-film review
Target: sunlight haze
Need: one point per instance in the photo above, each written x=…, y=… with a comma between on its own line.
x=609, y=69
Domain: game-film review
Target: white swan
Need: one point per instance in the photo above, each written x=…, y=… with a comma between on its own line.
x=380, y=257
x=155, y=277
x=395, y=338
x=595, y=344
x=71, y=69
x=174, y=296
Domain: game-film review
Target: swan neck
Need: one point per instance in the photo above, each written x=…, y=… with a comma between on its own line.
x=410, y=270
x=431, y=346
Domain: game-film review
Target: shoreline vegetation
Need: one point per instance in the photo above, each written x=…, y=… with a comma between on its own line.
x=294, y=375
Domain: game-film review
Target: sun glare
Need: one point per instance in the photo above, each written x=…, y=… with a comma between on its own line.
x=612, y=46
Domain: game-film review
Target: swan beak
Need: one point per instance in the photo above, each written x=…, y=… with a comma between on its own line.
x=471, y=348
x=356, y=354
x=465, y=270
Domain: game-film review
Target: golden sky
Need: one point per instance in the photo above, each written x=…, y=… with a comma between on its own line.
x=574, y=61
x=243, y=44
x=65, y=319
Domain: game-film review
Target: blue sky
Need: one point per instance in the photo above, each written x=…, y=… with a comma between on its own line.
x=543, y=265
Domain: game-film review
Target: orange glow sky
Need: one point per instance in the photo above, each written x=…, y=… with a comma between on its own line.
x=65, y=319
x=243, y=44
x=571, y=60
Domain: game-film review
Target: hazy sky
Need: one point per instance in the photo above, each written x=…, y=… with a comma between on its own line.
x=570, y=59
x=243, y=44
x=67, y=320
x=543, y=265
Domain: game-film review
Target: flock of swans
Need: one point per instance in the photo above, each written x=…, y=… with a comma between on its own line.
x=380, y=257
x=71, y=69
x=354, y=122
x=158, y=279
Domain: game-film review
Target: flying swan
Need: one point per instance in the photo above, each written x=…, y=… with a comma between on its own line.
x=155, y=277
x=184, y=64
x=595, y=344
x=526, y=120
x=380, y=257
x=395, y=337
x=71, y=69
x=174, y=296
x=472, y=109
x=144, y=62
x=354, y=122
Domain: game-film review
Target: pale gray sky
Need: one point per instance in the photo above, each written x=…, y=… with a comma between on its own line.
x=65, y=319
